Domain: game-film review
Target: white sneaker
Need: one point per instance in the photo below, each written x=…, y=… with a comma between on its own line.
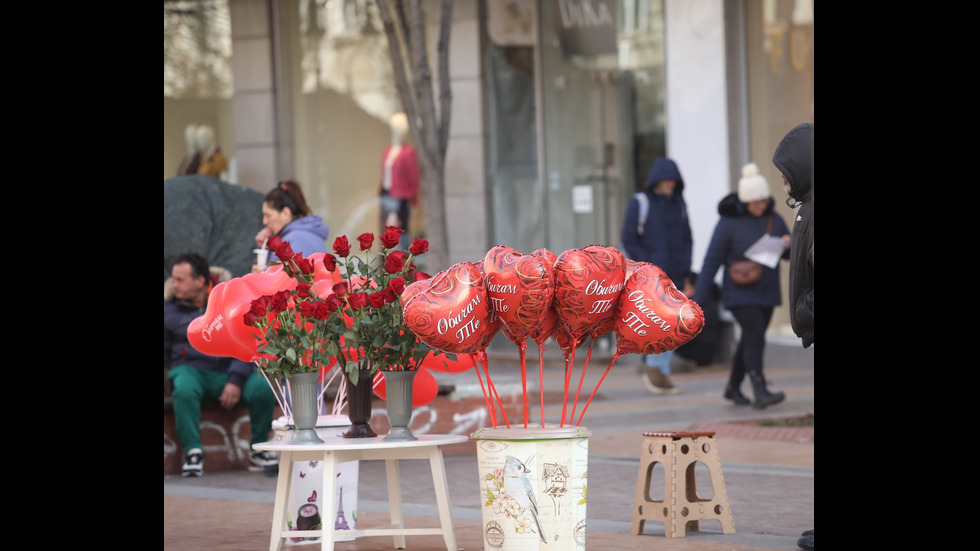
x=263, y=462
x=193, y=463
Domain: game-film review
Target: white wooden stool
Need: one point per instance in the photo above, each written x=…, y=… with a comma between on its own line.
x=681, y=508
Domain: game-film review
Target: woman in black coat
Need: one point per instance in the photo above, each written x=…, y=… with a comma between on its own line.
x=745, y=217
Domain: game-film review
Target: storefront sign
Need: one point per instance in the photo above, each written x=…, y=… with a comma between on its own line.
x=588, y=27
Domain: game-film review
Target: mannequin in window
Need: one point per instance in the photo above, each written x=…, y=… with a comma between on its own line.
x=192, y=159
x=399, y=178
x=213, y=162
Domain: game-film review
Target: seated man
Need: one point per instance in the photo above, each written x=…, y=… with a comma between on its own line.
x=196, y=377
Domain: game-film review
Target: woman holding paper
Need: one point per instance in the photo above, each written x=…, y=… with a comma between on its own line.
x=748, y=221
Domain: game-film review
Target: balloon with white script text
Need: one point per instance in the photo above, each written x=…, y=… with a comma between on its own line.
x=587, y=285
x=652, y=315
x=452, y=312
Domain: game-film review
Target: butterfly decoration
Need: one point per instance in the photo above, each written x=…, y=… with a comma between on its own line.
x=302, y=474
x=312, y=498
x=313, y=464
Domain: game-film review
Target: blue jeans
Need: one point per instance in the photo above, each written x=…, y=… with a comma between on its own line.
x=660, y=361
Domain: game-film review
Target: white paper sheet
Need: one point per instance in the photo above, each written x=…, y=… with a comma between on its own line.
x=766, y=250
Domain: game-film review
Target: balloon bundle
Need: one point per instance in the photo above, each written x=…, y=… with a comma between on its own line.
x=579, y=295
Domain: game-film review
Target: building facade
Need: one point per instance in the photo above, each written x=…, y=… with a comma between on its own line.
x=559, y=107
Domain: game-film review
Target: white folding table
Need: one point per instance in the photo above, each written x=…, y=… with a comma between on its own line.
x=335, y=451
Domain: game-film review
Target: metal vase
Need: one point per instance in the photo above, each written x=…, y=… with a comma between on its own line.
x=398, y=402
x=302, y=396
x=359, y=398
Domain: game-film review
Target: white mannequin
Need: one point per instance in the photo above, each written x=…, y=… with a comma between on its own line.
x=191, y=160
x=205, y=141
x=213, y=162
x=190, y=135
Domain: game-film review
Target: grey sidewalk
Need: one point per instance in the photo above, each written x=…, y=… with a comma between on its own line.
x=768, y=471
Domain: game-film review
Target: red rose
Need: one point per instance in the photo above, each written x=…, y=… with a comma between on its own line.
x=303, y=289
x=282, y=248
x=280, y=301
x=376, y=300
x=395, y=262
x=307, y=308
x=391, y=237
x=340, y=289
x=419, y=246
x=366, y=240
x=341, y=246
x=334, y=302
x=260, y=306
x=330, y=262
x=397, y=285
x=390, y=295
x=323, y=309
x=274, y=242
x=357, y=300
x=250, y=319
x=304, y=265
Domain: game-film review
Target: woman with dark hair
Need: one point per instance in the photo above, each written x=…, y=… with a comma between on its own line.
x=286, y=214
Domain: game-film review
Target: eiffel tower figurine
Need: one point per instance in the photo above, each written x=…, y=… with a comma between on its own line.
x=341, y=522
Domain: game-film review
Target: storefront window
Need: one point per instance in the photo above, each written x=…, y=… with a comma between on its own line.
x=602, y=115
x=342, y=94
x=197, y=78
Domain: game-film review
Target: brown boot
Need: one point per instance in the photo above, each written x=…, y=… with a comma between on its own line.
x=658, y=383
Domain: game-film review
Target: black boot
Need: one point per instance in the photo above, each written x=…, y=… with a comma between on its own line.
x=733, y=393
x=763, y=397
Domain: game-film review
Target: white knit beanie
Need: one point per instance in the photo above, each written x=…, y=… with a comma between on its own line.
x=753, y=186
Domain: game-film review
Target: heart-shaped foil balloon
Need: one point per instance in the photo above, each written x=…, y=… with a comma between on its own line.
x=520, y=288
x=653, y=316
x=451, y=312
x=587, y=286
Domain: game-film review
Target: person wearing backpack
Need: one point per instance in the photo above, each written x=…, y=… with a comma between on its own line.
x=662, y=238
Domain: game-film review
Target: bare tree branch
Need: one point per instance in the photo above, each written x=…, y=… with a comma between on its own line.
x=405, y=27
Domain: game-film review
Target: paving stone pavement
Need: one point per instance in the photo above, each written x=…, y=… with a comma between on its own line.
x=768, y=470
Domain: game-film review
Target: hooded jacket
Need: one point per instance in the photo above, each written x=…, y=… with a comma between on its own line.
x=794, y=159
x=666, y=241
x=736, y=231
x=177, y=349
x=306, y=235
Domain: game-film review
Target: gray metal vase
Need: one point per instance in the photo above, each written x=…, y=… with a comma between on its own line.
x=302, y=395
x=398, y=402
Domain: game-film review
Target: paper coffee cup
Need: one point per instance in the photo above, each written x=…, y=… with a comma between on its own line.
x=261, y=256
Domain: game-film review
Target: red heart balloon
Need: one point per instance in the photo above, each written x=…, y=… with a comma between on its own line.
x=463, y=362
x=564, y=339
x=452, y=313
x=520, y=288
x=546, y=326
x=425, y=388
x=653, y=316
x=548, y=257
x=632, y=265
x=587, y=286
x=221, y=331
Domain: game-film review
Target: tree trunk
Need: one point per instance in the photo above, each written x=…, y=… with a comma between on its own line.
x=404, y=24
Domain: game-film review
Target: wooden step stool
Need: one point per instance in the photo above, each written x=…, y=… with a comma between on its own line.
x=681, y=508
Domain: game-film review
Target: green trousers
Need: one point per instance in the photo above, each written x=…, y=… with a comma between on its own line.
x=191, y=387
